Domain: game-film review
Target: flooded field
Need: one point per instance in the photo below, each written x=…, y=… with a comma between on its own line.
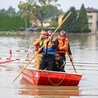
x=85, y=54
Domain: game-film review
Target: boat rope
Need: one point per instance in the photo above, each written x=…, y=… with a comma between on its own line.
x=56, y=84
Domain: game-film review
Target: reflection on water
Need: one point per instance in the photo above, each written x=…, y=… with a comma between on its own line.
x=43, y=91
x=85, y=55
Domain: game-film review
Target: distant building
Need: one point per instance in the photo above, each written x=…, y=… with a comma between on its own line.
x=92, y=15
x=46, y=22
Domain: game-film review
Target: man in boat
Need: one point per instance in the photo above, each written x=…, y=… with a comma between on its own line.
x=38, y=43
x=59, y=63
x=49, y=51
x=63, y=45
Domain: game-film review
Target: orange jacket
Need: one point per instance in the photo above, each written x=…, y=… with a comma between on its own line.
x=61, y=44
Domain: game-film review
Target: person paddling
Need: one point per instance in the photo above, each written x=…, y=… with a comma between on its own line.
x=49, y=51
x=38, y=43
x=63, y=45
x=63, y=48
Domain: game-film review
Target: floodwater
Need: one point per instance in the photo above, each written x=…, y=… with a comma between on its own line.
x=85, y=54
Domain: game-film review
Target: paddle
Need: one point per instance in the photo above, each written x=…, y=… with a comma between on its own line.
x=71, y=62
x=41, y=48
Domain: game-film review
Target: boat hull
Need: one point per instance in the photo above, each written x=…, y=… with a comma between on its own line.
x=43, y=77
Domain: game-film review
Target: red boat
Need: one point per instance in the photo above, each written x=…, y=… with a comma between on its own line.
x=44, y=77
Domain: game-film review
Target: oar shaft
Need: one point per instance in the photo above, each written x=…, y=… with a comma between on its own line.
x=26, y=55
x=61, y=23
x=24, y=67
x=72, y=62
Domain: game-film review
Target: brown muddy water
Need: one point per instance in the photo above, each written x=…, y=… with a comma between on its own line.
x=85, y=55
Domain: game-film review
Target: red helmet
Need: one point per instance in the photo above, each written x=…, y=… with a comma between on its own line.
x=62, y=33
x=49, y=32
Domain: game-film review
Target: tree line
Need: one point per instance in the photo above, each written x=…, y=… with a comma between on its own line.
x=77, y=21
x=32, y=12
x=7, y=23
x=10, y=19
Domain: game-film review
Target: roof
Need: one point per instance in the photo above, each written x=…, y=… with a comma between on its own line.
x=91, y=9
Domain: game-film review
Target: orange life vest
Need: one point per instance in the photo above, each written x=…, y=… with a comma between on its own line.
x=61, y=44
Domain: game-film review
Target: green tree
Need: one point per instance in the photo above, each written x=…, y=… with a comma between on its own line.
x=8, y=22
x=2, y=11
x=11, y=11
x=71, y=25
x=83, y=20
x=38, y=8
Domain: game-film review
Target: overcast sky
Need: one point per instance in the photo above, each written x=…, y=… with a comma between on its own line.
x=65, y=4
